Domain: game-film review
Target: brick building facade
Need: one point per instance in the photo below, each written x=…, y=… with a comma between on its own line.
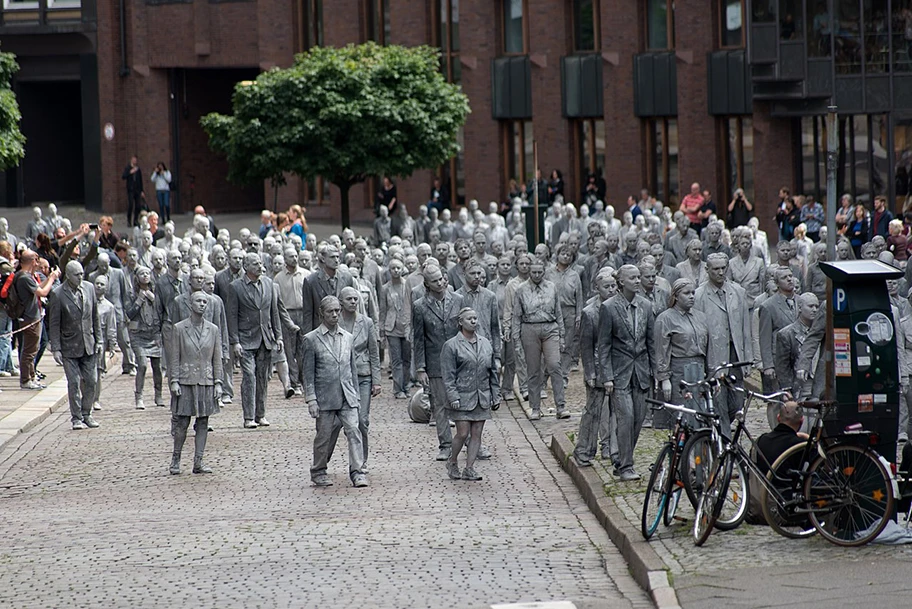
x=649, y=93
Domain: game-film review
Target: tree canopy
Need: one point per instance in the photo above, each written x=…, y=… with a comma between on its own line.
x=344, y=114
x=12, y=142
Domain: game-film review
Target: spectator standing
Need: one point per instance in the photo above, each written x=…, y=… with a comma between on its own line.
x=813, y=217
x=108, y=238
x=782, y=213
x=30, y=294
x=298, y=222
x=708, y=209
x=691, y=205
x=439, y=197
x=739, y=210
x=161, y=178
x=555, y=186
x=880, y=220
x=387, y=196
x=898, y=243
x=132, y=175
x=542, y=186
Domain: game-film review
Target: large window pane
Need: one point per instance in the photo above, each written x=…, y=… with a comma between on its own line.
x=513, y=26
x=819, y=28
x=657, y=34
x=731, y=27
x=901, y=31
x=810, y=154
x=791, y=19
x=584, y=25
x=763, y=11
x=673, y=190
x=454, y=19
x=848, y=37
x=876, y=36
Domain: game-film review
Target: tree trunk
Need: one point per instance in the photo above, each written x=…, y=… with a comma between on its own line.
x=343, y=199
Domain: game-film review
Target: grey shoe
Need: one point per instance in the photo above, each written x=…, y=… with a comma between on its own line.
x=359, y=481
x=96, y=406
x=444, y=454
x=159, y=401
x=175, y=468
x=201, y=468
x=77, y=425
x=453, y=471
x=322, y=480
x=563, y=413
x=262, y=422
x=535, y=416
x=628, y=475
x=483, y=453
x=140, y=405
x=90, y=422
x=582, y=462
x=470, y=474
x=250, y=425
x=226, y=399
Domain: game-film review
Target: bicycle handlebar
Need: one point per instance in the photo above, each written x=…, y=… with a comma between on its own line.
x=711, y=379
x=682, y=409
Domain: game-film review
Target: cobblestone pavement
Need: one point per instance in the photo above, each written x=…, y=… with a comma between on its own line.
x=92, y=519
x=703, y=576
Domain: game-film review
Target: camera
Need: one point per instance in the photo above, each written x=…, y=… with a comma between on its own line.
x=93, y=227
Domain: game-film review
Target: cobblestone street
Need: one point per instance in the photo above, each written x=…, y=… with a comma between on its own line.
x=92, y=518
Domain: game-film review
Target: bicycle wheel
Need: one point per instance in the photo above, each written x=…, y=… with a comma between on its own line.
x=712, y=499
x=655, y=501
x=696, y=463
x=674, y=489
x=851, y=495
x=786, y=478
x=736, y=498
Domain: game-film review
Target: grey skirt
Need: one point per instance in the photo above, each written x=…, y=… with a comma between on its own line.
x=195, y=401
x=479, y=413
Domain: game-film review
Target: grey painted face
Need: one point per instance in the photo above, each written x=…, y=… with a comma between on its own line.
x=101, y=286
x=174, y=260
x=197, y=278
x=74, y=274
x=144, y=276
x=278, y=264
x=198, y=302
x=220, y=260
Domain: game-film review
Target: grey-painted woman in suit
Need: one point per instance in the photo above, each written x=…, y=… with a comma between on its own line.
x=472, y=388
x=145, y=325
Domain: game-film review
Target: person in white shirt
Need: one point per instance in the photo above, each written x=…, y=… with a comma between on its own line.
x=161, y=179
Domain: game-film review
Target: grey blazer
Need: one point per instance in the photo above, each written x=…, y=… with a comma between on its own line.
x=253, y=314
x=330, y=376
x=214, y=314
x=223, y=280
x=729, y=323
x=195, y=362
x=431, y=328
x=624, y=350
x=367, y=348
x=119, y=293
x=676, y=245
x=786, y=350
x=589, y=340
x=485, y=304
x=74, y=329
x=774, y=314
x=316, y=287
x=470, y=372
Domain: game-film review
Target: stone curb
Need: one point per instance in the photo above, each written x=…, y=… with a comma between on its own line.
x=647, y=568
x=36, y=409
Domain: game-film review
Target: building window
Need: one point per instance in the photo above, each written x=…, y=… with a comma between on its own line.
x=791, y=19
x=586, y=25
x=514, y=31
x=662, y=159
x=659, y=25
x=318, y=192
x=589, y=142
x=20, y=5
x=731, y=24
x=310, y=24
x=818, y=28
x=445, y=14
x=518, y=153
x=738, y=132
x=377, y=21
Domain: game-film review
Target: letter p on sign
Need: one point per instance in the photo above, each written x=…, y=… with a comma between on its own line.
x=839, y=300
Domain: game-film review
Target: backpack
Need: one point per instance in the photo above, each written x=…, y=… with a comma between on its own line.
x=9, y=295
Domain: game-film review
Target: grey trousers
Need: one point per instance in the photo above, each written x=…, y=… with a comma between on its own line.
x=514, y=365
x=629, y=404
x=329, y=423
x=142, y=365
x=294, y=350
x=904, y=401
x=81, y=374
x=591, y=424
x=770, y=385
x=102, y=368
x=543, y=340
x=570, y=353
x=400, y=354
x=167, y=348
x=364, y=411
x=179, y=427
x=123, y=341
x=608, y=443
x=437, y=391
x=255, y=367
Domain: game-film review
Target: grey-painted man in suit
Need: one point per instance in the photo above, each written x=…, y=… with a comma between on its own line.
x=223, y=279
x=776, y=312
x=328, y=280
x=331, y=393
x=627, y=361
x=366, y=346
x=787, y=350
x=434, y=322
x=76, y=341
x=214, y=313
x=483, y=302
x=676, y=242
x=255, y=330
x=119, y=293
x=168, y=287
x=725, y=305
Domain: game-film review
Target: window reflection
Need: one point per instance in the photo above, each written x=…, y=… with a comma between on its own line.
x=848, y=37
x=819, y=28
x=791, y=20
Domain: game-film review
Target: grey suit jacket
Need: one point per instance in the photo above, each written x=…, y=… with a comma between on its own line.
x=316, y=287
x=658, y=298
x=750, y=275
x=74, y=329
x=469, y=372
x=786, y=350
x=624, y=350
x=367, y=348
x=119, y=293
x=214, y=314
x=330, y=376
x=253, y=314
x=774, y=314
x=589, y=340
x=223, y=280
x=195, y=361
x=485, y=304
x=431, y=328
x=676, y=245
x=729, y=323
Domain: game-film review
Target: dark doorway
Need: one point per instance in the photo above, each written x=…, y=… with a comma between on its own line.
x=52, y=171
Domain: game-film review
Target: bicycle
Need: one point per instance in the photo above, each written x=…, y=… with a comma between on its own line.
x=663, y=490
x=840, y=485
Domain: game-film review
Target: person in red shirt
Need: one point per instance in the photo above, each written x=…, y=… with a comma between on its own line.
x=691, y=205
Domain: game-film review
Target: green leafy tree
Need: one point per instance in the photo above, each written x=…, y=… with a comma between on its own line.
x=343, y=114
x=12, y=142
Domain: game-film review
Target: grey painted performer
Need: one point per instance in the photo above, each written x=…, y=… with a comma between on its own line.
x=366, y=346
x=76, y=341
x=472, y=390
x=119, y=295
x=396, y=326
x=596, y=417
x=290, y=283
x=196, y=381
x=626, y=351
x=570, y=295
x=168, y=287
x=787, y=345
x=330, y=374
x=538, y=324
x=145, y=325
x=254, y=331
x=776, y=312
x=328, y=280
x=514, y=358
x=433, y=323
x=106, y=317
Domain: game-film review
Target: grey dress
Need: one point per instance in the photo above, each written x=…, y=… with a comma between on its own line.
x=470, y=378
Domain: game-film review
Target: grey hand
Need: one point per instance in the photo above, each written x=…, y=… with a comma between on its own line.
x=175, y=388
x=666, y=389
x=58, y=357
x=218, y=390
x=313, y=409
x=238, y=350
x=609, y=387
x=801, y=375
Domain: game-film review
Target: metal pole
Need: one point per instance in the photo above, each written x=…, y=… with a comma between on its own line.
x=832, y=162
x=535, y=193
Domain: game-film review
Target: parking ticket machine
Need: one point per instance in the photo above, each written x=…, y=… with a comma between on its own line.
x=864, y=351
